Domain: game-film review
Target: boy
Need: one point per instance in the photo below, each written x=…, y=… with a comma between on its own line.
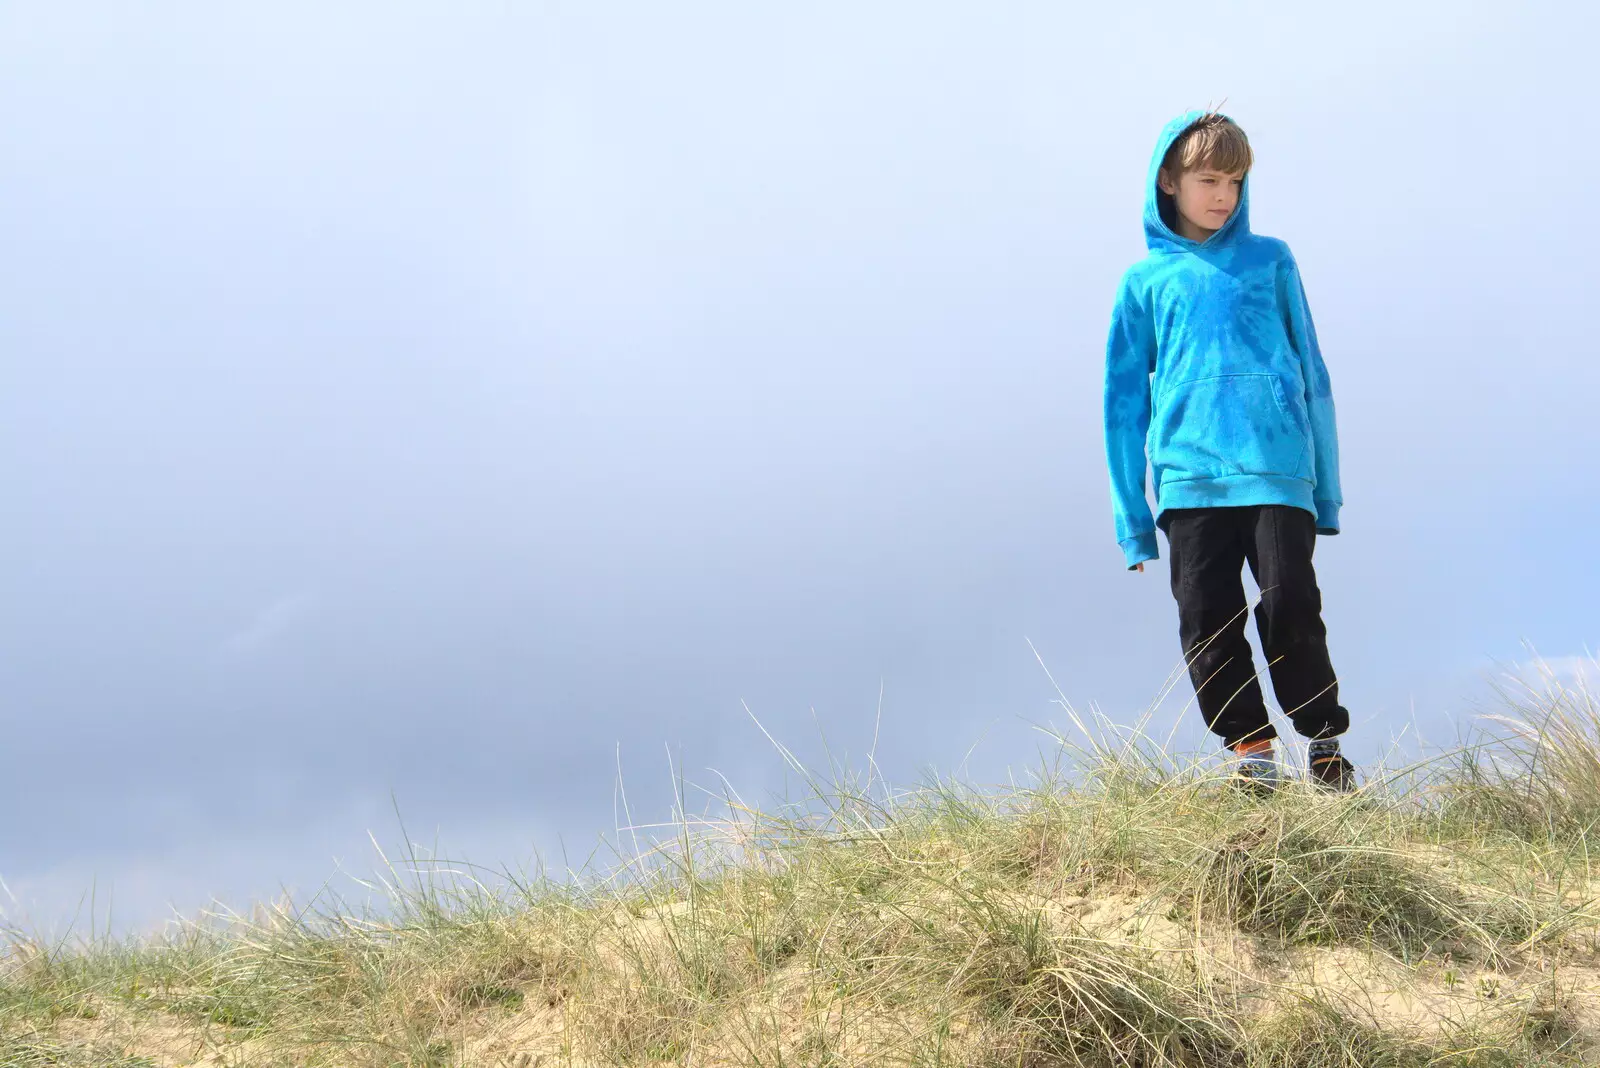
x=1213, y=365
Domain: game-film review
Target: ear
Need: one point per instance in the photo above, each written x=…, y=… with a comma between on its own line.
x=1166, y=183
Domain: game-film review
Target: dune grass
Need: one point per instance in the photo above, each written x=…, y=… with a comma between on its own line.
x=1122, y=908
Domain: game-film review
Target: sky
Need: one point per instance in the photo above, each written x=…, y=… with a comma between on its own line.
x=416, y=419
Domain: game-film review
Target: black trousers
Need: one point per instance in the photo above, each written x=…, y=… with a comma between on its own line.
x=1209, y=547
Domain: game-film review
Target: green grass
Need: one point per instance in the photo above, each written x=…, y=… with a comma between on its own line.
x=1121, y=909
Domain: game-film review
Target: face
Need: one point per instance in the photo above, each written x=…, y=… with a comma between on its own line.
x=1205, y=199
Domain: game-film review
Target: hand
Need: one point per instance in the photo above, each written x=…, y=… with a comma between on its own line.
x=1139, y=567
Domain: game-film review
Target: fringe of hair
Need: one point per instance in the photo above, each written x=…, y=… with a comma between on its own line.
x=1214, y=142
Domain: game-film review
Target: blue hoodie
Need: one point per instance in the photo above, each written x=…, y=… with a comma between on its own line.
x=1213, y=367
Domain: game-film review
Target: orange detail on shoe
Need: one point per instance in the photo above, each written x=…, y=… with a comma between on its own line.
x=1262, y=747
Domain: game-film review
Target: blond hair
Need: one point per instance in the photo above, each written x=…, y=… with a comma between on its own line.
x=1214, y=142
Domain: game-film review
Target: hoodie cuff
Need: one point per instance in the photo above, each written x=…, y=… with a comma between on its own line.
x=1139, y=548
x=1327, y=517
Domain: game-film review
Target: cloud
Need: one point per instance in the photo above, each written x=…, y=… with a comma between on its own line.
x=1577, y=668
x=271, y=623
x=1574, y=671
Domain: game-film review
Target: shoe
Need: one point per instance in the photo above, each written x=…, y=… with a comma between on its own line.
x=1329, y=769
x=1257, y=772
x=1257, y=776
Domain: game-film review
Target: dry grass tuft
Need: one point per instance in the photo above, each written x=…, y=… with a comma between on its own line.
x=1134, y=912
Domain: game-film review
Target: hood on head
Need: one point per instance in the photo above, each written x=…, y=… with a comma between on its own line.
x=1160, y=213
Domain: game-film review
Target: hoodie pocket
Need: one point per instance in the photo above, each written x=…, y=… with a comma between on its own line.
x=1239, y=424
